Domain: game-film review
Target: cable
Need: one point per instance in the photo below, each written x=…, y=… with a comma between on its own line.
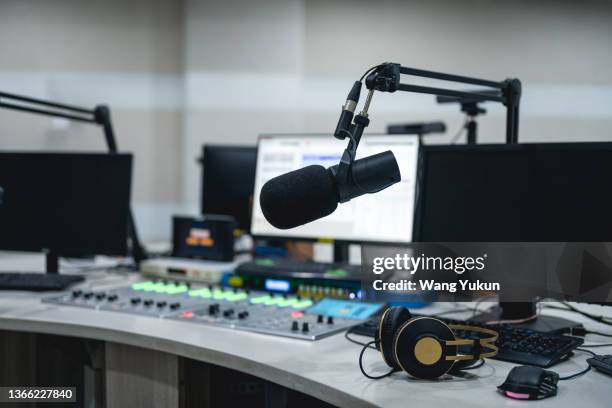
x=460, y=132
x=372, y=377
x=599, y=333
x=586, y=370
x=478, y=302
x=346, y=336
x=601, y=319
x=475, y=365
x=368, y=71
x=597, y=345
x=461, y=310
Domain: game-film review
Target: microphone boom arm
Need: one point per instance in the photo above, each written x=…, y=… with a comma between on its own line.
x=386, y=78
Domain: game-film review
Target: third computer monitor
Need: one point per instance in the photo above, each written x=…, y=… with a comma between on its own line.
x=516, y=193
x=384, y=217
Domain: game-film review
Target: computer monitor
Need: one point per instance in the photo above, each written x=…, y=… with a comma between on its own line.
x=65, y=203
x=228, y=176
x=515, y=193
x=384, y=217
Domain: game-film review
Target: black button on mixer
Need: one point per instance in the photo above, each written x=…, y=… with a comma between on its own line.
x=175, y=305
x=305, y=327
x=243, y=315
x=135, y=300
x=212, y=310
x=162, y=303
x=294, y=326
x=148, y=302
x=100, y=295
x=228, y=312
x=112, y=298
x=88, y=295
x=330, y=320
x=320, y=319
x=77, y=293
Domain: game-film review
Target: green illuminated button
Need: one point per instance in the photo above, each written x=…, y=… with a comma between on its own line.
x=219, y=294
x=273, y=301
x=161, y=288
x=146, y=285
x=177, y=289
x=264, y=262
x=303, y=304
x=260, y=299
x=235, y=297
x=203, y=292
x=288, y=302
x=337, y=273
x=142, y=285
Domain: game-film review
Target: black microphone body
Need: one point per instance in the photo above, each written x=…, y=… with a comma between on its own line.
x=299, y=197
x=304, y=195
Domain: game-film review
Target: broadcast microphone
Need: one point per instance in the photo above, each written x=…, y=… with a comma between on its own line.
x=301, y=196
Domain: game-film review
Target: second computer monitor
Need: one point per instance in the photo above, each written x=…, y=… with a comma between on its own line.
x=228, y=175
x=384, y=217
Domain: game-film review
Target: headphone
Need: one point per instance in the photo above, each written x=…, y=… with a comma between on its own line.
x=427, y=348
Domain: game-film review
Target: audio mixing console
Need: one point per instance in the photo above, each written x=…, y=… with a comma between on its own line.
x=262, y=312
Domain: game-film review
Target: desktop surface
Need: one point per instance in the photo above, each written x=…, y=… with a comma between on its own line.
x=326, y=369
x=385, y=217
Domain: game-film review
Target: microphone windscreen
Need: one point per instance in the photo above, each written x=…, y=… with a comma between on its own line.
x=299, y=197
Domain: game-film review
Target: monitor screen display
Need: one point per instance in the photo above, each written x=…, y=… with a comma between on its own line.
x=516, y=193
x=385, y=217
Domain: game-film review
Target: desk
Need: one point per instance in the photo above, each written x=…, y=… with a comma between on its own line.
x=325, y=369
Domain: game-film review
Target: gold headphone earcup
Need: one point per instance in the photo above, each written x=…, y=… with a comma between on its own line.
x=419, y=347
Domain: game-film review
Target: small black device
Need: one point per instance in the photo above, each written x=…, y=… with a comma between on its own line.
x=306, y=279
x=529, y=383
x=601, y=363
x=228, y=179
x=65, y=204
x=417, y=128
x=516, y=345
x=471, y=107
x=208, y=237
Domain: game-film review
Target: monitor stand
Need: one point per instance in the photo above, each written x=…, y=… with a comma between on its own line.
x=524, y=310
x=341, y=253
x=51, y=263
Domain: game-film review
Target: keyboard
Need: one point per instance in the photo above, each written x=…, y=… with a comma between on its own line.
x=37, y=282
x=289, y=267
x=516, y=344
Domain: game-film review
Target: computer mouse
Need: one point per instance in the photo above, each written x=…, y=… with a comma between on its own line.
x=529, y=383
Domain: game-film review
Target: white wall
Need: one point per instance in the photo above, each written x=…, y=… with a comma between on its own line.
x=182, y=73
